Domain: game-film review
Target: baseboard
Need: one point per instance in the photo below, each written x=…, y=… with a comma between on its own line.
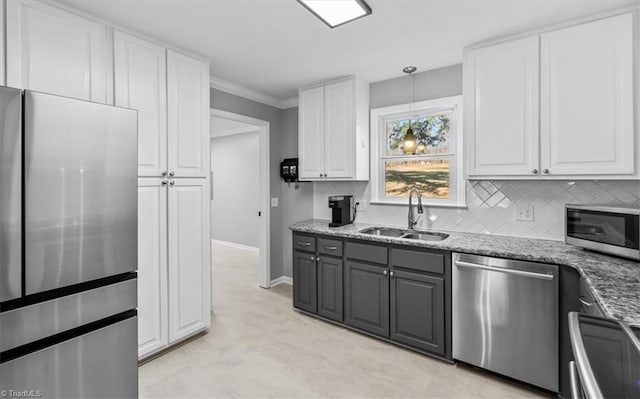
x=235, y=245
x=282, y=280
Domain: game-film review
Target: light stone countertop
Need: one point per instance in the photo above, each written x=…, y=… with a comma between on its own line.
x=614, y=282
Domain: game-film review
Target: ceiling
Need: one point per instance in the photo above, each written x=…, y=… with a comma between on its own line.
x=277, y=46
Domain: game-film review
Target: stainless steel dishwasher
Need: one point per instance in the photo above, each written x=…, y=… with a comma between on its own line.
x=505, y=317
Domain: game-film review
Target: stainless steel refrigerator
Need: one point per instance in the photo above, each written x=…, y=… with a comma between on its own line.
x=68, y=247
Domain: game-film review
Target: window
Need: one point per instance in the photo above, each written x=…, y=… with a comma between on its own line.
x=433, y=166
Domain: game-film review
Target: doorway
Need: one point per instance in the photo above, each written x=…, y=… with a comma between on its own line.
x=239, y=171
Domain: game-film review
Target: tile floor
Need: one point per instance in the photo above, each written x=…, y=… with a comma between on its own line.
x=259, y=347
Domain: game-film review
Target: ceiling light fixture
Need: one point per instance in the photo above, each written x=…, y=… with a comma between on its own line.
x=337, y=12
x=410, y=144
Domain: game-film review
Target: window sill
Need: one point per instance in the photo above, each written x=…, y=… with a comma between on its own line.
x=424, y=203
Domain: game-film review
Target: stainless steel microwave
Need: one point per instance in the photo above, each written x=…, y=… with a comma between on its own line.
x=612, y=229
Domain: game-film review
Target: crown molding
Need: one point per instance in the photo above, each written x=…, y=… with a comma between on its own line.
x=250, y=94
x=289, y=103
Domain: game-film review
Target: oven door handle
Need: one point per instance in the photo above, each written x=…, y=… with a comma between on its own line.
x=523, y=273
x=574, y=378
x=587, y=379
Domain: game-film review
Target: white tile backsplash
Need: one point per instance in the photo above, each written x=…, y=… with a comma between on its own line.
x=490, y=205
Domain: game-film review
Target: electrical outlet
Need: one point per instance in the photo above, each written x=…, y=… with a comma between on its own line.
x=524, y=213
x=274, y=202
x=362, y=207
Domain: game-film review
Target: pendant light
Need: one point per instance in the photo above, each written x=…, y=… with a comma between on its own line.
x=410, y=144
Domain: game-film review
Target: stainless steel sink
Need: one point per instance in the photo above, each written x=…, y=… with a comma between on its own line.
x=425, y=236
x=383, y=231
x=408, y=234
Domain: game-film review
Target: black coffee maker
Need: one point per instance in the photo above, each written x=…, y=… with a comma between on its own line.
x=341, y=210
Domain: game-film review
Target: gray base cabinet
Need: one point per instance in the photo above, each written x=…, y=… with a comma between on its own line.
x=305, y=278
x=330, y=287
x=396, y=292
x=417, y=311
x=367, y=297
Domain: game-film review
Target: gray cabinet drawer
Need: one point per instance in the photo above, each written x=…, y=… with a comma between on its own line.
x=366, y=252
x=418, y=260
x=329, y=247
x=304, y=243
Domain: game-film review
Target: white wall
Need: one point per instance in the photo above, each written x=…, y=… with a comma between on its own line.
x=296, y=203
x=235, y=180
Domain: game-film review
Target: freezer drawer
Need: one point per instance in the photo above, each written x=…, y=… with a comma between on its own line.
x=10, y=194
x=505, y=317
x=100, y=364
x=80, y=191
x=31, y=323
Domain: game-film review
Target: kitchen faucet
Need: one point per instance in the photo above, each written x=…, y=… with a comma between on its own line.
x=412, y=219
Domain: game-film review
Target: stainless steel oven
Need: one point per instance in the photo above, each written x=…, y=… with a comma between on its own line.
x=612, y=229
x=607, y=358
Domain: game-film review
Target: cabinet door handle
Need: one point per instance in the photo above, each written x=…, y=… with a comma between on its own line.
x=330, y=248
x=391, y=273
x=385, y=272
x=164, y=173
x=545, y=171
x=585, y=303
x=172, y=183
x=164, y=182
x=304, y=244
x=318, y=258
x=534, y=171
x=172, y=173
x=313, y=258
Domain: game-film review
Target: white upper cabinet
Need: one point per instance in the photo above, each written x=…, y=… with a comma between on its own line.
x=587, y=98
x=311, y=133
x=189, y=258
x=339, y=119
x=585, y=107
x=54, y=51
x=141, y=83
x=188, y=116
x=333, y=131
x=501, y=104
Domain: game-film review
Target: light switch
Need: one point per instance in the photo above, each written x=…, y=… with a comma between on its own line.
x=274, y=202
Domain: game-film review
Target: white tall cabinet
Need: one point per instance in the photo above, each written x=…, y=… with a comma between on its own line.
x=170, y=92
x=153, y=311
x=188, y=91
x=140, y=70
x=558, y=104
x=3, y=42
x=189, y=259
x=54, y=51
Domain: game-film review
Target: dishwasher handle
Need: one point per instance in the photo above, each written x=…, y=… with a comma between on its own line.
x=469, y=265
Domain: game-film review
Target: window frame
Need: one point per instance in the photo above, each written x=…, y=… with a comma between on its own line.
x=379, y=118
